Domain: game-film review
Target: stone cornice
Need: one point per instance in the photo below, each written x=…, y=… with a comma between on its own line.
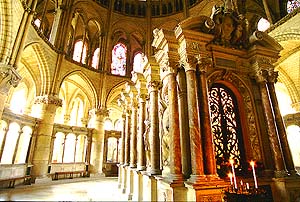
x=49, y=100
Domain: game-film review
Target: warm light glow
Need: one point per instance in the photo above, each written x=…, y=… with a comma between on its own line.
x=252, y=163
x=231, y=161
x=263, y=25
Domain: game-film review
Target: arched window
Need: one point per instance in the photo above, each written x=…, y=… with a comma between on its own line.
x=76, y=113
x=58, y=147
x=119, y=125
x=118, y=65
x=79, y=52
x=137, y=63
x=23, y=145
x=81, y=146
x=292, y=5
x=69, y=152
x=263, y=24
x=95, y=62
x=108, y=125
x=18, y=99
x=226, y=128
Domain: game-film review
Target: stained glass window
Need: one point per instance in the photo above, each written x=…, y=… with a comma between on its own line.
x=292, y=5
x=118, y=65
x=95, y=62
x=80, y=52
x=137, y=63
x=226, y=128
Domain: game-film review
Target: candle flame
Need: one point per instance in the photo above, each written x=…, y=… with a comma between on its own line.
x=231, y=161
x=230, y=175
x=252, y=163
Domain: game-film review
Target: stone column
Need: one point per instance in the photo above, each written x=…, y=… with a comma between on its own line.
x=208, y=145
x=97, y=152
x=40, y=159
x=140, y=84
x=151, y=74
x=9, y=77
x=194, y=121
x=280, y=125
x=132, y=92
x=122, y=153
x=280, y=170
x=154, y=128
x=184, y=124
x=127, y=137
x=174, y=131
x=56, y=21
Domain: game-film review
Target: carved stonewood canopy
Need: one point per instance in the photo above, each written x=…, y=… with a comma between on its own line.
x=229, y=29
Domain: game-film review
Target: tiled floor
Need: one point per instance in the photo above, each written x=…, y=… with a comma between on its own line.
x=79, y=189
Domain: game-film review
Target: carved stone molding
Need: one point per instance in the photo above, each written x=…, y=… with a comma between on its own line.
x=154, y=85
x=9, y=77
x=204, y=63
x=99, y=112
x=49, y=100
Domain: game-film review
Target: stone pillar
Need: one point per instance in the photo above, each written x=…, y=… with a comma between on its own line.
x=280, y=125
x=174, y=131
x=97, y=152
x=151, y=74
x=194, y=121
x=40, y=159
x=280, y=170
x=56, y=21
x=210, y=168
x=127, y=136
x=133, y=125
x=184, y=124
x=9, y=77
x=154, y=128
x=140, y=84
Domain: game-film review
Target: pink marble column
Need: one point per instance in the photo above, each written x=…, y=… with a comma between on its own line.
x=141, y=164
x=280, y=125
x=208, y=145
x=280, y=170
x=127, y=137
x=154, y=128
x=174, y=132
x=133, y=135
x=194, y=122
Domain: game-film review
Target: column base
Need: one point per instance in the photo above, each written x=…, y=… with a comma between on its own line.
x=281, y=174
x=138, y=186
x=130, y=183
x=171, y=190
x=286, y=189
x=42, y=180
x=149, y=187
x=202, y=188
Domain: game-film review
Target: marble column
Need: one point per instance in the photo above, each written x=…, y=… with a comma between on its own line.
x=133, y=134
x=127, y=137
x=122, y=157
x=184, y=124
x=174, y=131
x=194, y=121
x=280, y=170
x=154, y=128
x=210, y=167
x=141, y=163
x=280, y=125
x=40, y=159
x=97, y=153
x=140, y=85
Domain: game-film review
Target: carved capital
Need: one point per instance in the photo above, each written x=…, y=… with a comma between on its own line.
x=154, y=85
x=273, y=76
x=261, y=76
x=48, y=100
x=99, y=112
x=9, y=77
x=204, y=63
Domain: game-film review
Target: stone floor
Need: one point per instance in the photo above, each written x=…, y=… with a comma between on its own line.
x=78, y=189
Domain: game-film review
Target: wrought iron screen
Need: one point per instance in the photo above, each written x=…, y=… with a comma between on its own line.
x=226, y=127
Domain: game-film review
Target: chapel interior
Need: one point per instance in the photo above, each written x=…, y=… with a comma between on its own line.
x=181, y=100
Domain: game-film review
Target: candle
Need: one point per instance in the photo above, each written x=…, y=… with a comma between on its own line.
x=242, y=183
x=247, y=186
x=252, y=163
x=230, y=177
x=233, y=173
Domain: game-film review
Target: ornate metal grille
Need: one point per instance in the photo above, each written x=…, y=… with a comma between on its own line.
x=226, y=128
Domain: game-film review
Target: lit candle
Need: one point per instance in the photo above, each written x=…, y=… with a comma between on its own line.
x=247, y=186
x=242, y=183
x=230, y=177
x=233, y=173
x=252, y=163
